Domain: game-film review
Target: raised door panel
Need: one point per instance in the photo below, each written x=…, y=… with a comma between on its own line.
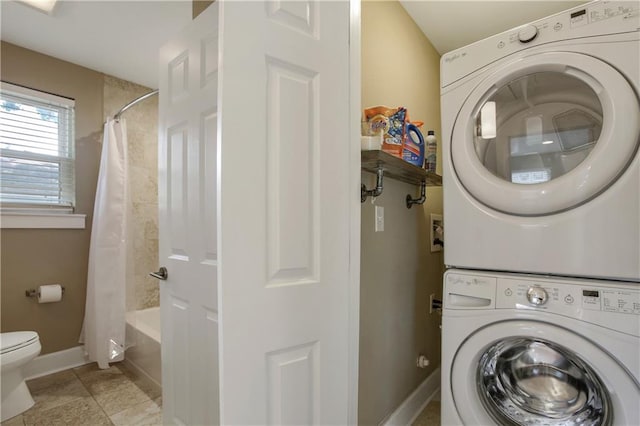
x=292, y=381
x=188, y=222
x=292, y=168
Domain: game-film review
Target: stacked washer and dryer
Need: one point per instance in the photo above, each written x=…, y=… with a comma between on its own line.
x=541, y=301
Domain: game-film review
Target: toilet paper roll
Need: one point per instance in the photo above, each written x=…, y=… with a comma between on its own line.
x=49, y=293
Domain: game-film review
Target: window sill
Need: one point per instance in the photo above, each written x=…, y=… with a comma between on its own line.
x=42, y=221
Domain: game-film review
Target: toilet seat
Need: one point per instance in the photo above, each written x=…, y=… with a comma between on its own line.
x=12, y=341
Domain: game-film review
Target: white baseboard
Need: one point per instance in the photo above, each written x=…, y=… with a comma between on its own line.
x=54, y=362
x=411, y=407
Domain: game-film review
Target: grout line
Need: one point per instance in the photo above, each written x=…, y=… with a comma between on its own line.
x=138, y=380
x=92, y=396
x=85, y=387
x=73, y=370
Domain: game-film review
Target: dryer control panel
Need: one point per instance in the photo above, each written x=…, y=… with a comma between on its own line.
x=585, y=21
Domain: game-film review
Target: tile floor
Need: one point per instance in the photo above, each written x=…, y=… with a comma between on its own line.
x=89, y=396
x=117, y=396
x=430, y=416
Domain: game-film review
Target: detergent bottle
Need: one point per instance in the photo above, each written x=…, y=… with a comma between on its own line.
x=432, y=152
x=413, y=149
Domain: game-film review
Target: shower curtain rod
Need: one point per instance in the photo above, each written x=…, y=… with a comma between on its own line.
x=133, y=102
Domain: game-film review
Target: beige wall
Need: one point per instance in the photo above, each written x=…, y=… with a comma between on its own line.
x=398, y=271
x=198, y=6
x=142, y=138
x=31, y=257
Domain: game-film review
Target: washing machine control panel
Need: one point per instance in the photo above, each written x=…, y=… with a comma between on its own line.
x=606, y=303
x=462, y=291
x=566, y=298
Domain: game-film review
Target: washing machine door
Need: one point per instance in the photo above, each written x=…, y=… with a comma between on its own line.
x=545, y=133
x=525, y=372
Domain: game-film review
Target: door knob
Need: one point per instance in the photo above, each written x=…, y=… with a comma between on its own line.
x=162, y=274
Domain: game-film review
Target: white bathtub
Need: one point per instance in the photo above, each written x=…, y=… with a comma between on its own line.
x=143, y=329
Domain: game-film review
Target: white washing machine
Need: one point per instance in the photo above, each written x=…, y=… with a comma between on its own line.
x=533, y=350
x=541, y=128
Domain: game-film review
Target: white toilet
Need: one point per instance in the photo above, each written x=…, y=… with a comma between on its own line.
x=18, y=348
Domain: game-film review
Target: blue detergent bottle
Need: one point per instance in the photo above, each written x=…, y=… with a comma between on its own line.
x=413, y=150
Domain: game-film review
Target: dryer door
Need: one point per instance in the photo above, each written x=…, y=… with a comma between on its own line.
x=545, y=133
x=527, y=372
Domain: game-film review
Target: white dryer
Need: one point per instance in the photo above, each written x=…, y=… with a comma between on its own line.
x=531, y=350
x=541, y=128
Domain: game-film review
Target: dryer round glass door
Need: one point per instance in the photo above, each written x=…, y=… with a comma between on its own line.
x=538, y=127
x=527, y=372
x=545, y=133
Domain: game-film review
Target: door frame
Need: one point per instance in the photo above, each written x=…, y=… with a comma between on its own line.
x=355, y=89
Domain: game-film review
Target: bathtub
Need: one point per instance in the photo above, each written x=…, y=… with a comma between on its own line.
x=143, y=329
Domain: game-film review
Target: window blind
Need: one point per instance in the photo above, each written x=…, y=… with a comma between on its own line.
x=36, y=149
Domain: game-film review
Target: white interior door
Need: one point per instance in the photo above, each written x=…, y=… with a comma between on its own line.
x=187, y=223
x=284, y=224
x=261, y=219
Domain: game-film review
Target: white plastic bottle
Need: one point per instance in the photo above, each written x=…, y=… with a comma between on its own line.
x=431, y=152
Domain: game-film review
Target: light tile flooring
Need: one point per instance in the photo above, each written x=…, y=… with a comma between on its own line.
x=117, y=396
x=430, y=416
x=89, y=396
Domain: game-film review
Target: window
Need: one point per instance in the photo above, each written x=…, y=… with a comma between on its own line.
x=36, y=151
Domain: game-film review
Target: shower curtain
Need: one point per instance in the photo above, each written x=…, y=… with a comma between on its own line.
x=103, y=330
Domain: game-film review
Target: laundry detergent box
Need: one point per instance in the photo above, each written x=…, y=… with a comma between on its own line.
x=391, y=123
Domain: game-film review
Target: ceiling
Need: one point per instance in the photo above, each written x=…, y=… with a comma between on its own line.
x=122, y=38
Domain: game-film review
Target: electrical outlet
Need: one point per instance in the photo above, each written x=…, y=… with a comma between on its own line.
x=431, y=297
x=379, y=211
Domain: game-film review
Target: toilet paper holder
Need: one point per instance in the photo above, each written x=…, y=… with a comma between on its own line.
x=35, y=293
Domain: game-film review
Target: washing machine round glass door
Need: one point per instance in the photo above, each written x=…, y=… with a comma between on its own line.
x=523, y=372
x=545, y=133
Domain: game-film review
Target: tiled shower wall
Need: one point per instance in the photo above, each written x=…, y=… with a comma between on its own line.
x=142, y=132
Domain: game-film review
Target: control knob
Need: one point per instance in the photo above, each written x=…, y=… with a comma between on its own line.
x=528, y=33
x=537, y=295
